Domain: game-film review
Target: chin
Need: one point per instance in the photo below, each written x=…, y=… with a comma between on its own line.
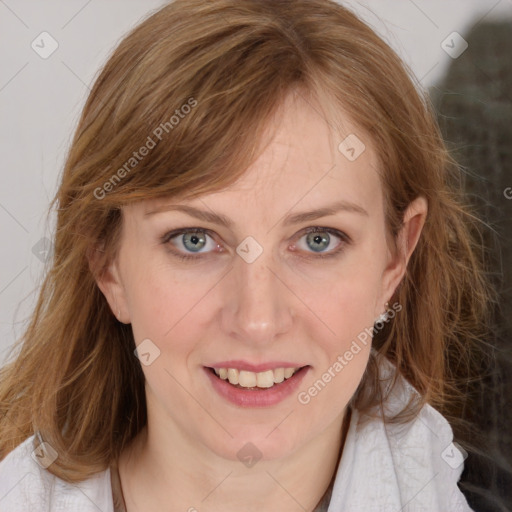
x=253, y=444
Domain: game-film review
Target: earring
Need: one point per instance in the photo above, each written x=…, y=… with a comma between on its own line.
x=384, y=316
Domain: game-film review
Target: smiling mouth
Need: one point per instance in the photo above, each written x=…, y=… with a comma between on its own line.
x=246, y=380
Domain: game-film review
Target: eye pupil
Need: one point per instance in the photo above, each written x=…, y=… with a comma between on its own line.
x=197, y=241
x=322, y=240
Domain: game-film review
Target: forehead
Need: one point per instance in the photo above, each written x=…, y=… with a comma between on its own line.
x=306, y=159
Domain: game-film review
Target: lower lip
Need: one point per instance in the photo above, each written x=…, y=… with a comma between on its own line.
x=263, y=397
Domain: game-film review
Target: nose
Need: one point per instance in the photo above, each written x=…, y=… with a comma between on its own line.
x=257, y=304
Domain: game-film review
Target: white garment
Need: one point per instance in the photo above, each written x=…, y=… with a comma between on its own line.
x=384, y=468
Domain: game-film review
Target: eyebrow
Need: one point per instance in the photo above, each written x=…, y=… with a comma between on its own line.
x=296, y=218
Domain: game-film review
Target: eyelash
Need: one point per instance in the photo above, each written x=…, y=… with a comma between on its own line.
x=345, y=240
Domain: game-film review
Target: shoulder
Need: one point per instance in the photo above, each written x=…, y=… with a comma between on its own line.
x=400, y=466
x=25, y=484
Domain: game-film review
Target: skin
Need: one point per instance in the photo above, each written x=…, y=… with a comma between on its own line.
x=289, y=304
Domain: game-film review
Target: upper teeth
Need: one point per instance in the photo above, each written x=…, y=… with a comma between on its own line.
x=250, y=379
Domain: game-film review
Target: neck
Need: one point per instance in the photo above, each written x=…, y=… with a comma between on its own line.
x=192, y=479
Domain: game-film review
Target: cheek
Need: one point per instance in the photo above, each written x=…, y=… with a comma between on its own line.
x=160, y=303
x=343, y=300
x=343, y=337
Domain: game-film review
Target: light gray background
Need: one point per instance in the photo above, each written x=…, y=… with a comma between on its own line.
x=41, y=99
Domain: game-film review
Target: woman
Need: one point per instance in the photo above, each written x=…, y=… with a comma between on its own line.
x=263, y=274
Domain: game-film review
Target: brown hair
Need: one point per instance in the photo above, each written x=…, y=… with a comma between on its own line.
x=232, y=62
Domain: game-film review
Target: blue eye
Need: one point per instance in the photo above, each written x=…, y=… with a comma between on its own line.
x=190, y=243
x=318, y=242
x=196, y=240
x=193, y=240
x=319, y=239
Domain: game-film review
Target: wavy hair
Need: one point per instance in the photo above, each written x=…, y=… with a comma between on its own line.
x=208, y=77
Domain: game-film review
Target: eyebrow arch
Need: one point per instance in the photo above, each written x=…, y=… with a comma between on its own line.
x=296, y=218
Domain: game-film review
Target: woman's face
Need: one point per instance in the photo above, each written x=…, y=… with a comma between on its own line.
x=258, y=291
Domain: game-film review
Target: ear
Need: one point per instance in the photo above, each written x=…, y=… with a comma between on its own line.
x=408, y=236
x=108, y=279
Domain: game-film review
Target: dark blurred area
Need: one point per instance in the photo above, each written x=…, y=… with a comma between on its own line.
x=474, y=105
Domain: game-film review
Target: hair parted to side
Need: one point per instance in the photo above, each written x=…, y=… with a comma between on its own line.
x=76, y=378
